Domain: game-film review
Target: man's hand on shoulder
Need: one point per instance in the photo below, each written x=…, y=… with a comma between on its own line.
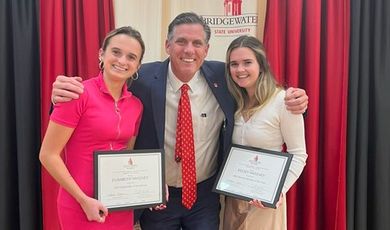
x=296, y=100
x=66, y=89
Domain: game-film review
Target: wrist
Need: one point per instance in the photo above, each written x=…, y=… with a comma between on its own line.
x=81, y=198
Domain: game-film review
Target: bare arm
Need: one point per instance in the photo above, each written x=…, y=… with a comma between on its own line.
x=50, y=156
x=66, y=89
x=296, y=100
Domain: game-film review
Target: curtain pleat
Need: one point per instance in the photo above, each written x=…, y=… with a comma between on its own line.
x=368, y=159
x=19, y=116
x=307, y=44
x=71, y=34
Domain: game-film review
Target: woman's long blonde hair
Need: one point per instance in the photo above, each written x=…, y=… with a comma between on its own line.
x=266, y=85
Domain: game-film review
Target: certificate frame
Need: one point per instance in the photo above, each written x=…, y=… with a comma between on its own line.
x=129, y=179
x=249, y=173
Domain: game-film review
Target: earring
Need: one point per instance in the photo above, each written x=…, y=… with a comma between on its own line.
x=101, y=63
x=135, y=76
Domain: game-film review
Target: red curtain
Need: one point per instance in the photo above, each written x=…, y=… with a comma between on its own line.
x=71, y=32
x=308, y=47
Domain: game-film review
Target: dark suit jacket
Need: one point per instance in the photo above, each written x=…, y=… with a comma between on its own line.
x=150, y=88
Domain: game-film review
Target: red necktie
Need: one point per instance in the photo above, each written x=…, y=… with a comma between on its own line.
x=184, y=149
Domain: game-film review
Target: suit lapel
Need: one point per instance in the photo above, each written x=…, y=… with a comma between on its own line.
x=158, y=93
x=216, y=85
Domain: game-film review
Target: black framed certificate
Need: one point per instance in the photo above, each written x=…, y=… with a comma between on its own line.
x=252, y=173
x=129, y=179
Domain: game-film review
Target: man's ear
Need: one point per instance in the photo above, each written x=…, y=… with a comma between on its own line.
x=207, y=50
x=167, y=46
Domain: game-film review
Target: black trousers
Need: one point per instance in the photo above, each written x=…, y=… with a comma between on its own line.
x=204, y=215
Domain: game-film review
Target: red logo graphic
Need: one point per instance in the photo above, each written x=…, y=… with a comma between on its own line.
x=232, y=7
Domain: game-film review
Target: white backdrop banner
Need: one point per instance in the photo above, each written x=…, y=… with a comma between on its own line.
x=227, y=19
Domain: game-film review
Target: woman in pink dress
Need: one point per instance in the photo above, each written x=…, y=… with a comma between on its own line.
x=105, y=117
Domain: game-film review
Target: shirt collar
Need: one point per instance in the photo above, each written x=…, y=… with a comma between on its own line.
x=176, y=83
x=103, y=88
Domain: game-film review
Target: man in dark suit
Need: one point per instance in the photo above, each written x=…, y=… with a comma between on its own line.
x=212, y=111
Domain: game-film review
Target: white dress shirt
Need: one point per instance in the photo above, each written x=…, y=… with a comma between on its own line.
x=207, y=119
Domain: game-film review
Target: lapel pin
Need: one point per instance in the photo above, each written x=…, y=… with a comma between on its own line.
x=215, y=85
